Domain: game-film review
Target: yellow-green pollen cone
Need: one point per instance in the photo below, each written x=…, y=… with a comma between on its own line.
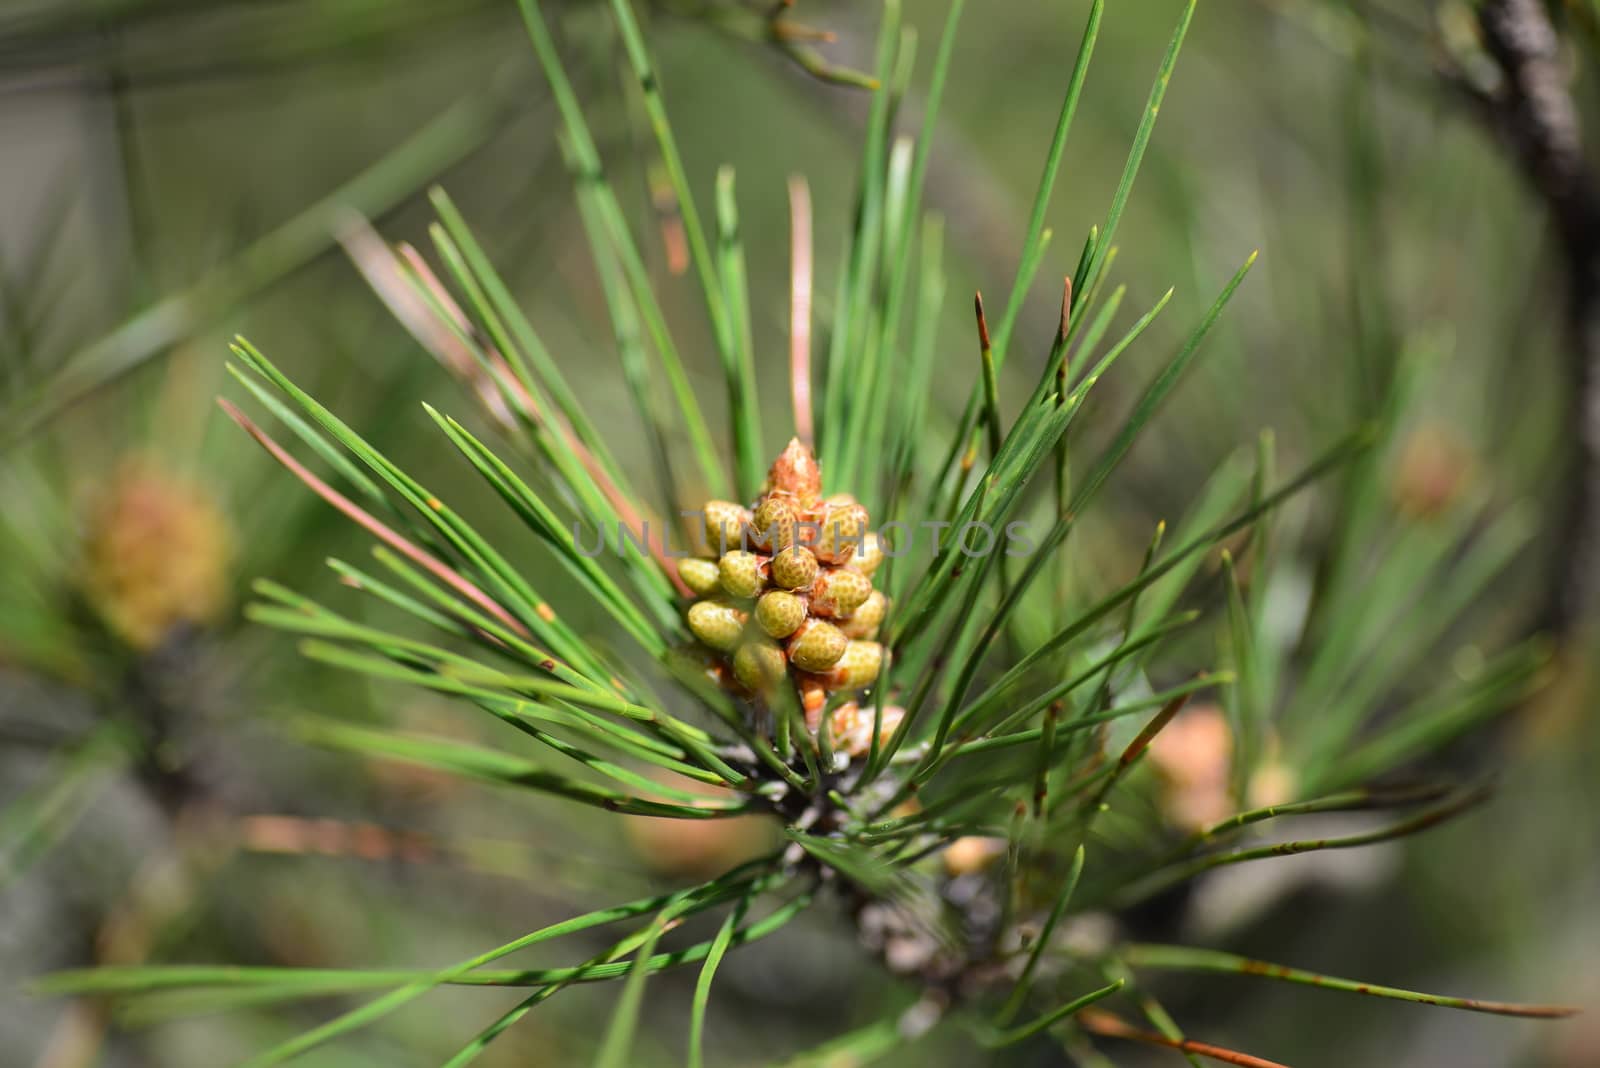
x=795, y=568
x=785, y=591
x=780, y=613
x=704, y=577
x=740, y=574
x=717, y=622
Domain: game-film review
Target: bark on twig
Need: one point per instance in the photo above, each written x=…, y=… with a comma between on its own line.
x=1533, y=111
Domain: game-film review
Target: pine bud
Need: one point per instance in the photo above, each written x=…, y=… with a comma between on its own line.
x=868, y=555
x=718, y=622
x=817, y=646
x=856, y=666
x=725, y=522
x=850, y=727
x=701, y=576
x=780, y=613
x=740, y=573
x=1432, y=470
x=842, y=528
x=795, y=568
x=839, y=592
x=865, y=621
x=972, y=853
x=813, y=698
x=157, y=555
x=759, y=664
x=774, y=524
x=795, y=472
x=696, y=849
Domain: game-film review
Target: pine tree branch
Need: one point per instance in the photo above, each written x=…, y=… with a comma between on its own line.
x=1533, y=111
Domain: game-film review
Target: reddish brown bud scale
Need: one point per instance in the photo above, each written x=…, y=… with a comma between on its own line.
x=850, y=727
x=795, y=472
x=813, y=698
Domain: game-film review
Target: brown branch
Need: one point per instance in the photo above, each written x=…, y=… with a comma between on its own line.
x=1532, y=110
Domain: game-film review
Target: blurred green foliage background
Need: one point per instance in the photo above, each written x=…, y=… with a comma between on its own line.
x=152, y=153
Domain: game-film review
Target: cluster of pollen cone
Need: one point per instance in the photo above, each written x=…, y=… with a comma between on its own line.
x=786, y=595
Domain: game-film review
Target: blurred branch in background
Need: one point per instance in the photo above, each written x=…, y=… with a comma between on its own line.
x=1524, y=94
x=1508, y=62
